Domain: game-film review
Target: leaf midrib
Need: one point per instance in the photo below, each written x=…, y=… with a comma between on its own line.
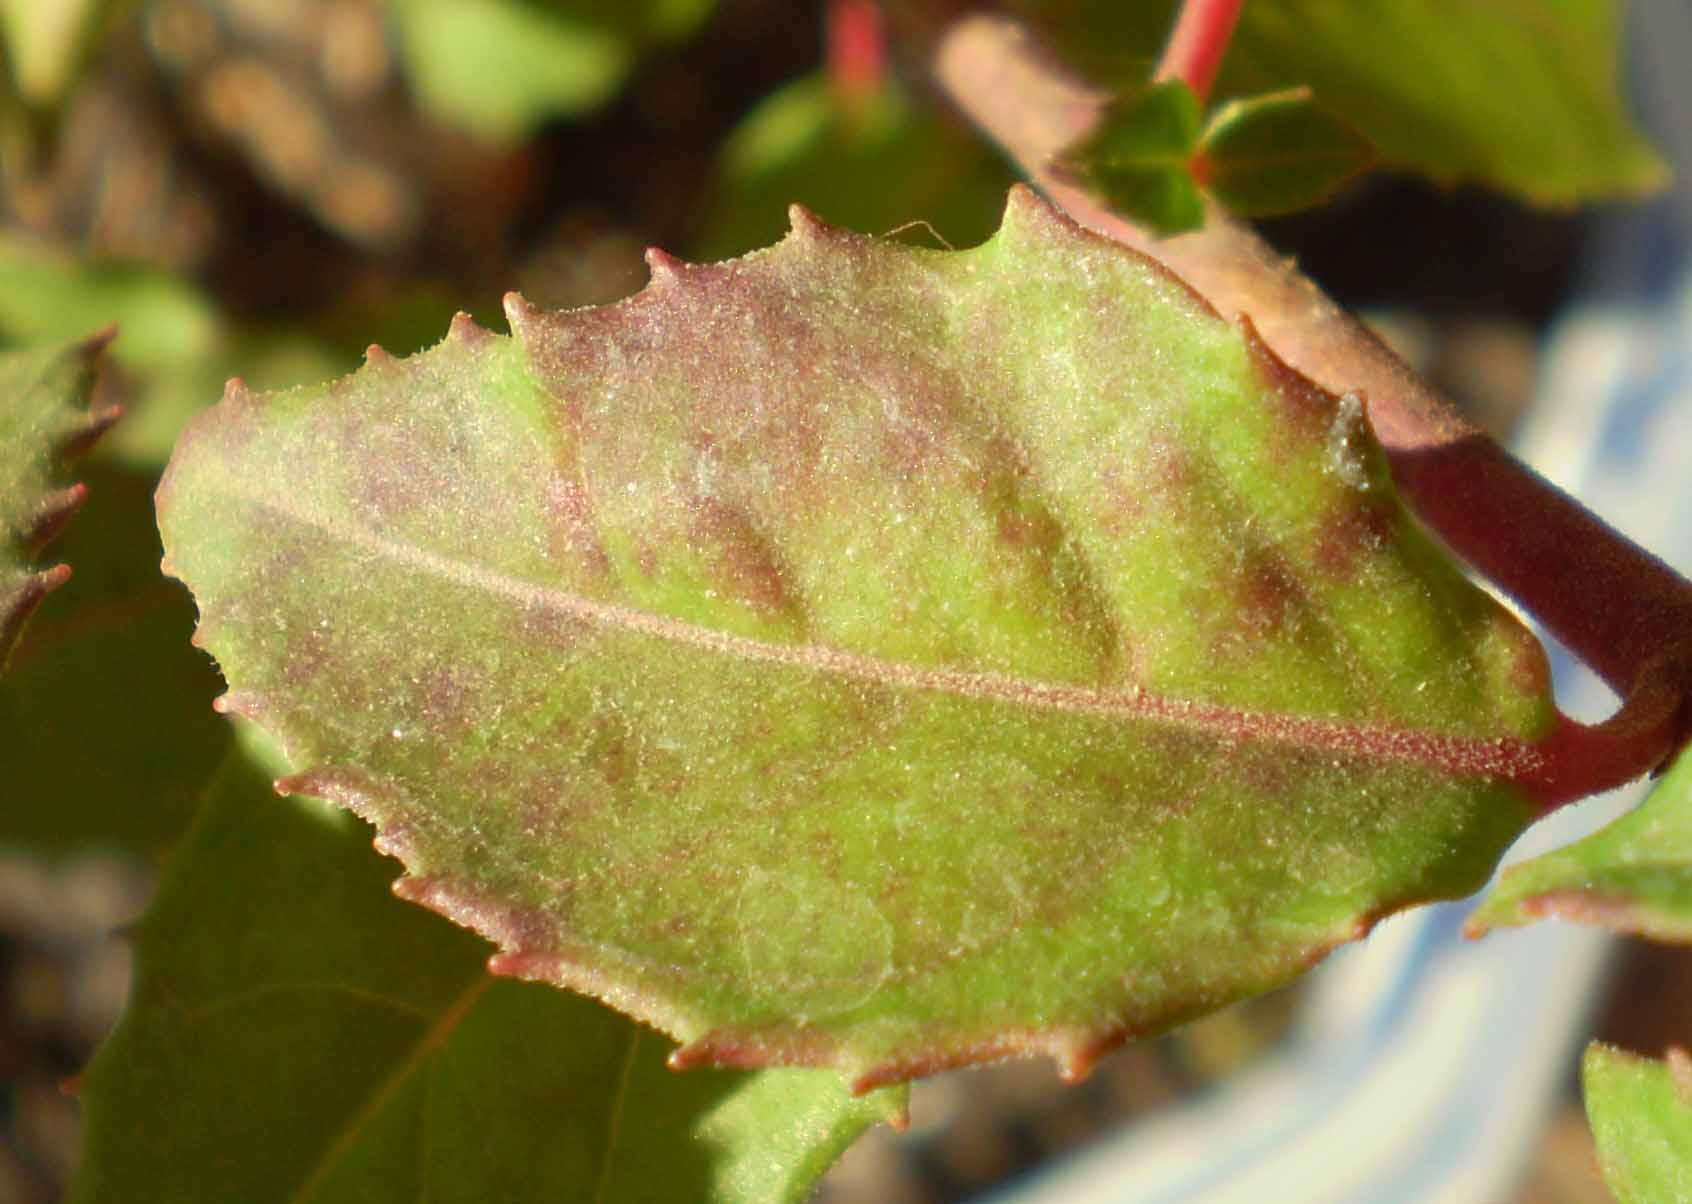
x=1462, y=756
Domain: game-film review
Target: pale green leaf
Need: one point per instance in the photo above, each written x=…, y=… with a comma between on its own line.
x=1641, y=1114
x=502, y=67
x=1634, y=875
x=867, y=656
x=297, y=1034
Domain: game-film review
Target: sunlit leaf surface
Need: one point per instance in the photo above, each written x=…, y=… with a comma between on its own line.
x=866, y=656
x=1641, y=1114
x=297, y=1034
x=1634, y=876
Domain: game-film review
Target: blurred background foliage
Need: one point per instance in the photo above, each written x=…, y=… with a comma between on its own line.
x=264, y=187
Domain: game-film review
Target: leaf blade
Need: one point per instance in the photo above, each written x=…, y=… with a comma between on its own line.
x=1045, y=691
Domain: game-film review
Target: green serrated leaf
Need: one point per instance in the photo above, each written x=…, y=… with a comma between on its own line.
x=1523, y=97
x=1641, y=1114
x=1633, y=876
x=1140, y=157
x=866, y=656
x=44, y=418
x=1279, y=153
x=295, y=1033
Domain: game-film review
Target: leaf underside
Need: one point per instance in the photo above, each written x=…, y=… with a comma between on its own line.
x=866, y=656
x=44, y=420
x=1641, y=1114
x=1633, y=876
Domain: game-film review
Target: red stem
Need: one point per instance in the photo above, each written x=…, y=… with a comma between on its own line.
x=1198, y=42
x=857, y=46
x=1616, y=606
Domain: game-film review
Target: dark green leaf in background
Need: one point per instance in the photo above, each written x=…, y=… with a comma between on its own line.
x=868, y=656
x=1634, y=875
x=1140, y=157
x=1522, y=97
x=296, y=1034
x=1641, y=1114
x=872, y=159
x=1275, y=154
x=107, y=737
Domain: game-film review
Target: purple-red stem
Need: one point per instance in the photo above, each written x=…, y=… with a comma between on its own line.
x=1197, y=44
x=1620, y=609
x=857, y=46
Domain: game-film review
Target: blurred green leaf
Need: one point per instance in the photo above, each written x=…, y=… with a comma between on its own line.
x=869, y=656
x=873, y=160
x=173, y=343
x=1524, y=97
x=44, y=419
x=1139, y=158
x=1279, y=153
x=1633, y=876
x=1641, y=1114
x=502, y=67
x=295, y=1032
x=46, y=43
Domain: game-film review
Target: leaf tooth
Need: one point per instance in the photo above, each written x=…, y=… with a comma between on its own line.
x=56, y=510
x=236, y=392
x=377, y=354
x=464, y=330
x=520, y=314
x=89, y=428
x=805, y=226
x=96, y=343
x=1078, y=1053
x=245, y=703
x=1030, y=217
x=665, y=267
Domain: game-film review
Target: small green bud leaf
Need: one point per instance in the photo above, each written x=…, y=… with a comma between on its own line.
x=1138, y=159
x=1279, y=153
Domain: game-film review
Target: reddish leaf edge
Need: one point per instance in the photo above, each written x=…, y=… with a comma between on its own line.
x=60, y=506
x=1563, y=764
